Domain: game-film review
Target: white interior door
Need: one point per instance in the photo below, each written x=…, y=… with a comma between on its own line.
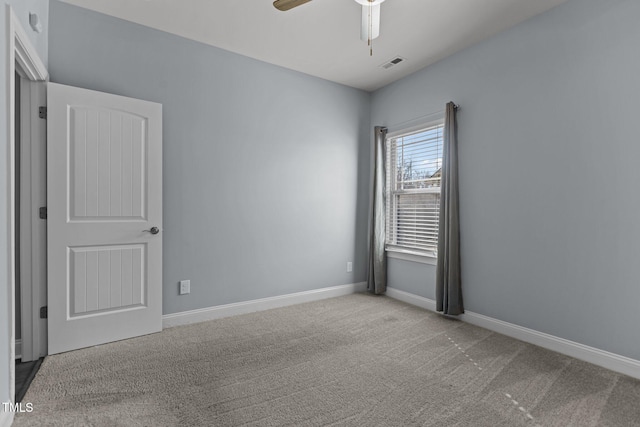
x=104, y=200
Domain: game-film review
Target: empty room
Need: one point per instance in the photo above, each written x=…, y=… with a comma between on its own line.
x=319, y=213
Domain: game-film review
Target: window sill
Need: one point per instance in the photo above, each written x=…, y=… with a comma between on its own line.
x=407, y=255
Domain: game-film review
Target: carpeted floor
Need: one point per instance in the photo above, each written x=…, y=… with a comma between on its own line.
x=357, y=360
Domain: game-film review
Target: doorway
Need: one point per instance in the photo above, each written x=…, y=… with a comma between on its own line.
x=30, y=226
x=24, y=66
x=27, y=240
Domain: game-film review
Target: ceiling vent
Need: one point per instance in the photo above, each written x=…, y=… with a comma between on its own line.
x=392, y=63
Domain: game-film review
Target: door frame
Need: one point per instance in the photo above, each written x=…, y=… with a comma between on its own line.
x=21, y=56
x=32, y=229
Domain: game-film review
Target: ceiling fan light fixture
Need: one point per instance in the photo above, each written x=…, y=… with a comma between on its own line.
x=370, y=27
x=369, y=2
x=370, y=24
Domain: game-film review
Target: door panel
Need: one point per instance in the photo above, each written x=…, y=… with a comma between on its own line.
x=107, y=179
x=104, y=195
x=106, y=279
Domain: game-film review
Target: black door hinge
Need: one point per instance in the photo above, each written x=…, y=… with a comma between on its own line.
x=43, y=212
x=42, y=112
x=44, y=312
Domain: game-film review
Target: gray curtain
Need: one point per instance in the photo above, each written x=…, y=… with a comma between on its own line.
x=448, y=282
x=377, y=275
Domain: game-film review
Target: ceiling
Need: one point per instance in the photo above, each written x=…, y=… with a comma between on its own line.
x=322, y=37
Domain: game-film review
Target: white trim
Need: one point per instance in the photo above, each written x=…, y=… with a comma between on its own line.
x=6, y=418
x=612, y=361
x=220, y=311
x=25, y=54
x=410, y=256
x=605, y=359
x=412, y=299
x=11, y=278
x=20, y=50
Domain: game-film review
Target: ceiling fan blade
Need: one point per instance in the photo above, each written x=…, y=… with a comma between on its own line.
x=288, y=4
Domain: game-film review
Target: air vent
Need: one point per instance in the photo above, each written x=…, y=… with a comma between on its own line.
x=393, y=62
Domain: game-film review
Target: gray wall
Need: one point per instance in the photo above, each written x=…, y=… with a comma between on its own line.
x=549, y=171
x=21, y=9
x=413, y=277
x=262, y=165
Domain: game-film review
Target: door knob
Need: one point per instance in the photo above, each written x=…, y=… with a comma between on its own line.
x=153, y=230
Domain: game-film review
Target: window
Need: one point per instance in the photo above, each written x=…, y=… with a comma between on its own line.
x=414, y=162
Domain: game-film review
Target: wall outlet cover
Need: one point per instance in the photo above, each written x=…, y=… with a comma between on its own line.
x=185, y=287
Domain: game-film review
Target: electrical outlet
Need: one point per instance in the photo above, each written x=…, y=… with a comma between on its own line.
x=185, y=287
x=349, y=267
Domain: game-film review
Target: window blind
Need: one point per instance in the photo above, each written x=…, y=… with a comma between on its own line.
x=414, y=163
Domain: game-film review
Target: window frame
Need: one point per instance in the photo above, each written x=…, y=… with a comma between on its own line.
x=398, y=251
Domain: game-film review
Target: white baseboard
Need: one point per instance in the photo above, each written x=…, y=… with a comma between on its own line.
x=412, y=299
x=18, y=349
x=605, y=359
x=6, y=418
x=220, y=311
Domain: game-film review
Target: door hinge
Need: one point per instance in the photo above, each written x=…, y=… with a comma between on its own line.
x=43, y=212
x=44, y=312
x=42, y=112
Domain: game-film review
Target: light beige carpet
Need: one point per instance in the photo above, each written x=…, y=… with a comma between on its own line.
x=357, y=360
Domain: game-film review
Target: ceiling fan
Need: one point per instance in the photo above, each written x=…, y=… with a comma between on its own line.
x=370, y=26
